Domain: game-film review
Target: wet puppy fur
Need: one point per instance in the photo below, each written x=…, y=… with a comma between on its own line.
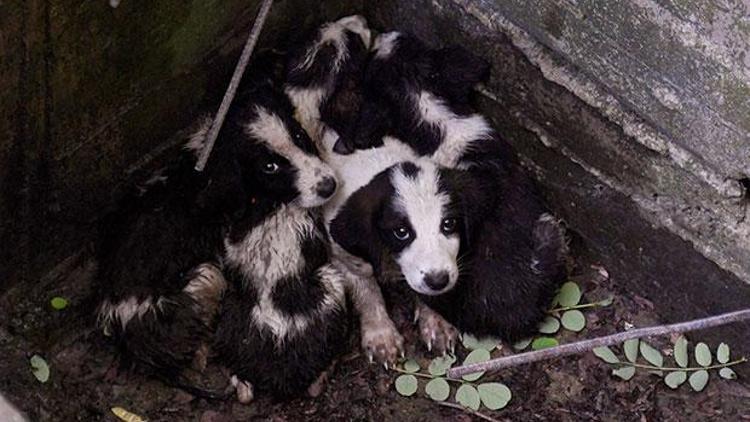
x=176, y=244
x=512, y=251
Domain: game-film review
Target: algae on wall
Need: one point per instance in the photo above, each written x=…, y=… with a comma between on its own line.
x=89, y=90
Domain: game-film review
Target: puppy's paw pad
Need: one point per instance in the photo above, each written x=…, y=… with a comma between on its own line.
x=437, y=333
x=383, y=344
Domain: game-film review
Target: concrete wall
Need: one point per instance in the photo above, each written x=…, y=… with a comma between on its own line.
x=91, y=91
x=634, y=116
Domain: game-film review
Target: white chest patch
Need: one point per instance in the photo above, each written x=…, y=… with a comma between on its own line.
x=272, y=250
x=459, y=132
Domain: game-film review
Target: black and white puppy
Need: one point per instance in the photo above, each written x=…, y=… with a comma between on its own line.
x=511, y=251
x=422, y=97
x=324, y=76
x=285, y=318
x=162, y=258
x=515, y=260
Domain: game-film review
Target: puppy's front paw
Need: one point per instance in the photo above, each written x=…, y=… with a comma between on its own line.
x=382, y=343
x=244, y=390
x=437, y=333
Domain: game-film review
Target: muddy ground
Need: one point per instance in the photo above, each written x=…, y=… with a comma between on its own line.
x=84, y=385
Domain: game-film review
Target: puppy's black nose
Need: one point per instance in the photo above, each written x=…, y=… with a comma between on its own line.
x=326, y=187
x=436, y=280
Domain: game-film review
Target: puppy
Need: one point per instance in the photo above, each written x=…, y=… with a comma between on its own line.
x=163, y=255
x=323, y=79
x=426, y=94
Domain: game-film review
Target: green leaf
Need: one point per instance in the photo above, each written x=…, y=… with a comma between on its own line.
x=727, y=373
x=606, y=354
x=472, y=343
x=58, y=303
x=522, y=344
x=438, y=389
x=550, y=325
x=631, y=349
x=488, y=343
x=702, y=354
x=469, y=341
x=543, y=343
x=722, y=353
x=606, y=302
x=681, y=351
x=699, y=379
x=626, y=372
x=652, y=355
x=468, y=396
x=573, y=320
x=411, y=366
x=675, y=379
x=39, y=368
x=570, y=294
x=406, y=385
x=494, y=395
x=479, y=355
x=440, y=365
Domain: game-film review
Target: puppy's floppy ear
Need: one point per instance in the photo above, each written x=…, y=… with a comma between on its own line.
x=355, y=226
x=222, y=193
x=472, y=197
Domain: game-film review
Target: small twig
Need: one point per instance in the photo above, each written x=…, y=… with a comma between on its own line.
x=213, y=132
x=570, y=308
x=466, y=409
x=676, y=368
x=430, y=376
x=586, y=345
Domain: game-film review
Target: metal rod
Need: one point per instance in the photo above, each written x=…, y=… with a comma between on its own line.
x=610, y=340
x=252, y=39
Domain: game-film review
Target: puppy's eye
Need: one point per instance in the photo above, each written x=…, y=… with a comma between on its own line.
x=401, y=233
x=448, y=226
x=270, y=168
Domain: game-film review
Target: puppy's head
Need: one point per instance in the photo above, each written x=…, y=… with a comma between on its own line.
x=262, y=153
x=415, y=214
x=328, y=53
x=403, y=65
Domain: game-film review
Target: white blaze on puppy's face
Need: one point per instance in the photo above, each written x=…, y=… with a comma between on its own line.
x=311, y=170
x=431, y=253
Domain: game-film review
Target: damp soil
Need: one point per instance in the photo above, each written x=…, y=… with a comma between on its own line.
x=86, y=379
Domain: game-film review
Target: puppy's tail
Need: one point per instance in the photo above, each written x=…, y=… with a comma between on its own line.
x=550, y=250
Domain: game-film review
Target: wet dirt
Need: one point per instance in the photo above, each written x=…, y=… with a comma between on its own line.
x=85, y=382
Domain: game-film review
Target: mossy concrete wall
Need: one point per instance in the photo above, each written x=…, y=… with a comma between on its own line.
x=635, y=117
x=91, y=91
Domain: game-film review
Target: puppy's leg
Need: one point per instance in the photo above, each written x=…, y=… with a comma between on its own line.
x=436, y=333
x=206, y=287
x=381, y=340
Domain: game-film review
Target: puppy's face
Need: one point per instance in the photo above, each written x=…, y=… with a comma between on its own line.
x=280, y=162
x=419, y=226
x=411, y=213
x=263, y=154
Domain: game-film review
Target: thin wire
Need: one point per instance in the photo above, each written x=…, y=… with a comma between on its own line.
x=252, y=39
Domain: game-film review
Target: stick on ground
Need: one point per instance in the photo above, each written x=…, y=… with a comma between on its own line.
x=213, y=132
x=586, y=345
